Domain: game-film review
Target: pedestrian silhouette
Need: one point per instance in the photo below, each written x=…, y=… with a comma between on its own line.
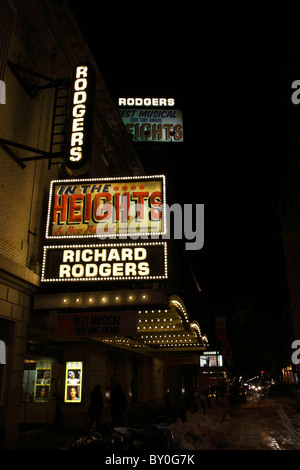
x=118, y=404
x=95, y=408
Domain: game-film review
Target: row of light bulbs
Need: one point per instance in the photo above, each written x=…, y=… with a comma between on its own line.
x=161, y=344
x=105, y=299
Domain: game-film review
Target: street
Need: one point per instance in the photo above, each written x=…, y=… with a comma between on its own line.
x=265, y=424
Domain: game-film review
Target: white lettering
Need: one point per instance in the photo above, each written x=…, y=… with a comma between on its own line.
x=144, y=269
x=146, y=101
x=68, y=255
x=76, y=139
x=79, y=97
x=81, y=71
x=85, y=257
x=78, y=113
x=64, y=271
x=130, y=269
x=91, y=270
x=117, y=269
x=75, y=154
x=77, y=124
x=140, y=253
x=77, y=270
x=79, y=110
x=126, y=254
x=80, y=84
x=104, y=269
x=113, y=255
x=100, y=255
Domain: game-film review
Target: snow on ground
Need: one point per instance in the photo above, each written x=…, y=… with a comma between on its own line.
x=203, y=431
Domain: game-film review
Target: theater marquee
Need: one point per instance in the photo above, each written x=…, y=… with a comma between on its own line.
x=153, y=125
x=105, y=262
x=106, y=207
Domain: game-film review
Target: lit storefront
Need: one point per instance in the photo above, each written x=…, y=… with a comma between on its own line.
x=141, y=338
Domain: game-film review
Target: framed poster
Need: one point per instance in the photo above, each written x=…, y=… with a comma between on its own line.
x=42, y=382
x=73, y=382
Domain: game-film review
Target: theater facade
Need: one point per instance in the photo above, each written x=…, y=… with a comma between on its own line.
x=85, y=291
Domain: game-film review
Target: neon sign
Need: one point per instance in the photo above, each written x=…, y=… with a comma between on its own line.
x=105, y=262
x=146, y=102
x=81, y=127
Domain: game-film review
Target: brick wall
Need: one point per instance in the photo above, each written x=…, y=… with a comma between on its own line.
x=14, y=311
x=23, y=191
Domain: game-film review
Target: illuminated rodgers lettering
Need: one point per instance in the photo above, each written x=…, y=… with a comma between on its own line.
x=80, y=128
x=146, y=101
x=90, y=263
x=105, y=262
x=78, y=113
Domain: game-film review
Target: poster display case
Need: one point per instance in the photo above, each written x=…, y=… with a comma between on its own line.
x=73, y=382
x=42, y=382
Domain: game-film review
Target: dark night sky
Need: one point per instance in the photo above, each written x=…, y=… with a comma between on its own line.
x=230, y=71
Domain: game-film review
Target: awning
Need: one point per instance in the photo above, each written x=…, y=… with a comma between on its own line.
x=163, y=330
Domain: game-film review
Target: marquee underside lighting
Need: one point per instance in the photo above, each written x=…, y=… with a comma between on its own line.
x=165, y=330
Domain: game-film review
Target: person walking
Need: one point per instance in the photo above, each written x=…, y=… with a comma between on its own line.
x=95, y=408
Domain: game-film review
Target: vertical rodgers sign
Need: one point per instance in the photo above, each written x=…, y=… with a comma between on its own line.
x=80, y=135
x=155, y=124
x=107, y=208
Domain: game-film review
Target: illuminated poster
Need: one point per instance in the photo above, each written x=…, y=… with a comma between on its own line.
x=153, y=125
x=105, y=262
x=100, y=207
x=73, y=382
x=42, y=382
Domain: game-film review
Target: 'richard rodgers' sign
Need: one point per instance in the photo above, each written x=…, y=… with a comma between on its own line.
x=100, y=207
x=105, y=262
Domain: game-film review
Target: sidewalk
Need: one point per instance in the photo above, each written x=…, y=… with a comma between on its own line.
x=55, y=437
x=51, y=437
